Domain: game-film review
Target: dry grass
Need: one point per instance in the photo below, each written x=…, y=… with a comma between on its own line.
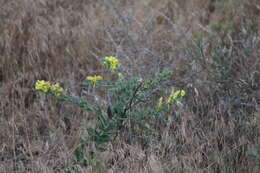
x=215, y=130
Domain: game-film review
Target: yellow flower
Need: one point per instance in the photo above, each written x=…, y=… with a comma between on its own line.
x=57, y=90
x=94, y=79
x=112, y=62
x=175, y=96
x=159, y=105
x=43, y=86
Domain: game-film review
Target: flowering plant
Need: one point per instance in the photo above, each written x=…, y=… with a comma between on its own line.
x=47, y=87
x=129, y=106
x=94, y=79
x=111, y=62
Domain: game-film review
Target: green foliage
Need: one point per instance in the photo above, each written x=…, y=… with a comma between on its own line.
x=80, y=153
x=229, y=4
x=222, y=27
x=128, y=105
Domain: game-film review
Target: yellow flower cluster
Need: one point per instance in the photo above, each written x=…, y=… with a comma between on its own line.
x=112, y=62
x=94, y=79
x=45, y=86
x=174, y=96
x=57, y=89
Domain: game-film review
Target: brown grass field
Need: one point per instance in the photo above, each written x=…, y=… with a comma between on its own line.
x=212, y=47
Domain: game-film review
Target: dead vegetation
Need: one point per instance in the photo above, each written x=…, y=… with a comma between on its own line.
x=211, y=46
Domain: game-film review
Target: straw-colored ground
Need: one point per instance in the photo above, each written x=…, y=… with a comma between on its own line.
x=215, y=129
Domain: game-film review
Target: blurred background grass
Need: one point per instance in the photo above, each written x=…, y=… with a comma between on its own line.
x=211, y=46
